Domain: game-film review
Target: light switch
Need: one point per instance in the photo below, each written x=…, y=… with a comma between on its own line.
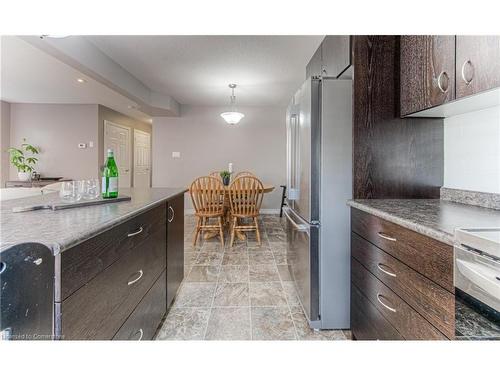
x=91, y=144
x=176, y=154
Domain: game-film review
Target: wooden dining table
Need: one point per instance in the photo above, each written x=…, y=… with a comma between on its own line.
x=240, y=235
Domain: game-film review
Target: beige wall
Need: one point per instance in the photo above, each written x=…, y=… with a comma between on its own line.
x=207, y=143
x=107, y=114
x=4, y=142
x=58, y=129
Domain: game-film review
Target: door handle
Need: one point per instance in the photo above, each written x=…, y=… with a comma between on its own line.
x=135, y=233
x=386, y=237
x=299, y=227
x=173, y=214
x=383, y=304
x=131, y=282
x=381, y=266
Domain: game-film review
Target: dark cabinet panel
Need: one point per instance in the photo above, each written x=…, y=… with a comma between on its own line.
x=477, y=64
x=410, y=324
x=144, y=321
x=100, y=307
x=367, y=323
x=175, y=246
x=429, y=299
x=392, y=157
x=427, y=71
x=82, y=263
x=427, y=256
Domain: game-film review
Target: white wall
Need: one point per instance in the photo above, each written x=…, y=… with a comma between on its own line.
x=472, y=151
x=4, y=142
x=207, y=144
x=57, y=129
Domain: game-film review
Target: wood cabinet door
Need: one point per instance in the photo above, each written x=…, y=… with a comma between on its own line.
x=427, y=69
x=335, y=55
x=175, y=246
x=477, y=64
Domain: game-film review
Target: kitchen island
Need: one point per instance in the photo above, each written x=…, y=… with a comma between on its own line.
x=117, y=266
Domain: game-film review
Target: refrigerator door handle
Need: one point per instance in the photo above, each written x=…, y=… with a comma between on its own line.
x=298, y=227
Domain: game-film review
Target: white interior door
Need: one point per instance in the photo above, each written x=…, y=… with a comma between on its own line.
x=117, y=138
x=142, y=159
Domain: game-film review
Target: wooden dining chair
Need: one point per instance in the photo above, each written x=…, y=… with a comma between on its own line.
x=216, y=174
x=243, y=174
x=207, y=194
x=245, y=197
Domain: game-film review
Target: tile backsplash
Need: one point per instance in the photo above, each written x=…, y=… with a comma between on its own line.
x=472, y=151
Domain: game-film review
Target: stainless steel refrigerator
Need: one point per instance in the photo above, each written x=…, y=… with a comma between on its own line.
x=319, y=183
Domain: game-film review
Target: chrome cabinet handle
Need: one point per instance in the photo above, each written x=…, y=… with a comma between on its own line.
x=3, y=267
x=135, y=233
x=440, y=83
x=383, y=304
x=141, y=332
x=173, y=214
x=136, y=279
x=386, y=237
x=380, y=267
x=464, y=78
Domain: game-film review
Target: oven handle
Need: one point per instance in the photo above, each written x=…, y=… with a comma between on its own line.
x=483, y=277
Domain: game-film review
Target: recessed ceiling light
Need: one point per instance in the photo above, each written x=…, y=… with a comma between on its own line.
x=133, y=106
x=81, y=80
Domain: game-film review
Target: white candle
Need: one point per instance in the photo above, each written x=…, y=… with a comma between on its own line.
x=230, y=168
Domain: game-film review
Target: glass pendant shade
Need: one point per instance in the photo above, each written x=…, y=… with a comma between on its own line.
x=232, y=117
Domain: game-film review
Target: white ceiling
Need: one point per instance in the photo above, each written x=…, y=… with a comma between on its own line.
x=196, y=70
x=29, y=75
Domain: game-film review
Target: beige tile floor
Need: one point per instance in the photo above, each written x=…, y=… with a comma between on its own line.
x=239, y=293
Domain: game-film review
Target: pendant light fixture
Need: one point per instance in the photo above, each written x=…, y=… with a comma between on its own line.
x=232, y=117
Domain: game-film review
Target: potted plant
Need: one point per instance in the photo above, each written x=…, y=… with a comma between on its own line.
x=226, y=176
x=23, y=159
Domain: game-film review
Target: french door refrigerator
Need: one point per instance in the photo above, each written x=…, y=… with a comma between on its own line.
x=319, y=183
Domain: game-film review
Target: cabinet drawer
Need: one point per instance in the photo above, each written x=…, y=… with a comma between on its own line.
x=434, y=303
x=98, y=309
x=83, y=262
x=425, y=255
x=367, y=323
x=144, y=321
x=410, y=324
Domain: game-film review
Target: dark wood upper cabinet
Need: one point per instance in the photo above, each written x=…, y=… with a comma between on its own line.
x=427, y=71
x=477, y=64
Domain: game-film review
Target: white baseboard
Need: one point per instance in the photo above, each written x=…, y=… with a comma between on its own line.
x=263, y=211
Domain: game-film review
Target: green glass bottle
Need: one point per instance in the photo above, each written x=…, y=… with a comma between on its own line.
x=110, y=177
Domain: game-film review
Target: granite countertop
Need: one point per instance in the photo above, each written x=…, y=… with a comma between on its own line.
x=434, y=218
x=60, y=230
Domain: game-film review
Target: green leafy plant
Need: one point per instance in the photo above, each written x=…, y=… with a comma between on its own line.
x=225, y=174
x=23, y=158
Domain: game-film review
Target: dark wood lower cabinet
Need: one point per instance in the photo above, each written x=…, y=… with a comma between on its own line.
x=367, y=323
x=144, y=321
x=116, y=285
x=394, y=292
x=175, y=247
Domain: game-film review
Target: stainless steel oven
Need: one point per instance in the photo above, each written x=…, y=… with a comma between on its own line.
x=477, y=264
